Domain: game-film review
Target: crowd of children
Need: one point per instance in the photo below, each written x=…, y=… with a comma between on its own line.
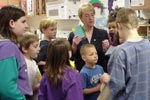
x=33, y=70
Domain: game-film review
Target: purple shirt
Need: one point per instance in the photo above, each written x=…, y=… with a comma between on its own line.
x=70, y=89
x=14, y=71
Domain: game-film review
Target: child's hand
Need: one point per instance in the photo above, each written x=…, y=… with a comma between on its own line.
x=105, y=78
x=98, y=87
x=105, y=45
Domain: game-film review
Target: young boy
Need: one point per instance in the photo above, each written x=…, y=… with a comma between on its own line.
x=29, y=46
x=49, y=28
x=129, y=64
x=90, y=72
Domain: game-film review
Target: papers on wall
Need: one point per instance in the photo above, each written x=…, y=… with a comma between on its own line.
x=137, y=2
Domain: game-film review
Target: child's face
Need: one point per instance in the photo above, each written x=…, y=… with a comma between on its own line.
x=33, y=50
x=112, y=27
x=90, y=56
x=70, y=54
x=19, y=27
x=50, y=32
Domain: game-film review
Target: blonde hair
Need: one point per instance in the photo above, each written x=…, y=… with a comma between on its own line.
x=46, y=22
x=127, y=17
x=84, y=47
x=84, y=7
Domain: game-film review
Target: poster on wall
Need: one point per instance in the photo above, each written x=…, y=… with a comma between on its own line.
x=102, y=9
x=27, y=6
x=101, y=13
x=137, y=2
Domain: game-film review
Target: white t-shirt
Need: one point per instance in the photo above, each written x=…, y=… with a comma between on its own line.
x=33, y=74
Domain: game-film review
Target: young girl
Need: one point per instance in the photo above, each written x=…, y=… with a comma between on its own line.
x=29, y=45
x=14, y=83
x=112, y=28
x=60, y=82
x=48, y=27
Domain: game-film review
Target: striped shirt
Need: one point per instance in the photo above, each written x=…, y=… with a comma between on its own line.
x=129, y=69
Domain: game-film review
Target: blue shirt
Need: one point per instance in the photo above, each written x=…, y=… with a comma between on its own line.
x=91, y=78
x=129, y=69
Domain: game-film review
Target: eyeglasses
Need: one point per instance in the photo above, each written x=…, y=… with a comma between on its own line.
x=89, y=15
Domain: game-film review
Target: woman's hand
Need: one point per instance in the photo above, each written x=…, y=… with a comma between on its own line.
x=76, y=40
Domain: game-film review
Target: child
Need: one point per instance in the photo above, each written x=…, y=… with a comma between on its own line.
x=90, y=72
x=129, y=64
x=29, y=46
x=49, y=28
x=60, y=82
x=14, y=83
x=114, y=38
x=112, y=28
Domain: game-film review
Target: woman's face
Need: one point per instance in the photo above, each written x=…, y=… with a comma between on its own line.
x=112, y=26
x=88, y=18
x=19, y=27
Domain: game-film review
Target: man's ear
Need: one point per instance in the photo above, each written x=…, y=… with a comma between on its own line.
x=11, y=23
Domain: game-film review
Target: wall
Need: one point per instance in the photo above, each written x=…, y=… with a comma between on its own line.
x=64, y=27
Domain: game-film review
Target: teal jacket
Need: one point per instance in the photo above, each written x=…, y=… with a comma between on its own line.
x=14, y=82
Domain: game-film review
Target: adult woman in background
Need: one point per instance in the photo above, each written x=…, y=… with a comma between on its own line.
x=93, y=35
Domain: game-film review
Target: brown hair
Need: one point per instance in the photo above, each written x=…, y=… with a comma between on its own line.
x=112, y=16
x=46, y=22
x=84, y=47
x=127, y=17
x=57, y=60
x=8, y=13
x=27, y=40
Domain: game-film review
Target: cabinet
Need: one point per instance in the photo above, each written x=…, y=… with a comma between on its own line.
x=40, y=7
x=14, y=2
x=34, y=7
x=3, y=2
x=140, y=7
x=10, y=2
x=144, y=30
